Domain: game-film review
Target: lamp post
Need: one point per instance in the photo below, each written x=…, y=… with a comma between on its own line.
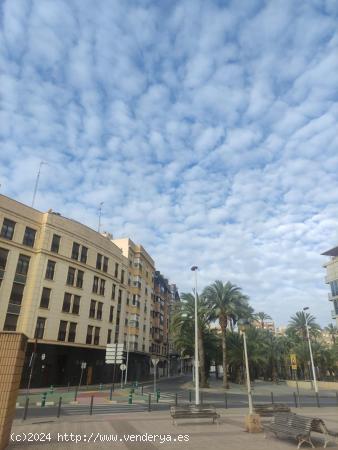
x=310, y=348
x=252, y=421
x=197, y=379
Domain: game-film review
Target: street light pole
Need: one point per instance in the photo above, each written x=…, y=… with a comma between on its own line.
x=310, y=348
x=197, y=379
x=248, y=382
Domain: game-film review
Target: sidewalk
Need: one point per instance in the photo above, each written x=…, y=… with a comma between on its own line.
x=229, y=435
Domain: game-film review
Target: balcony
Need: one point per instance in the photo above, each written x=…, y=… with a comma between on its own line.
x=13, y=308
x=21, y=279
x=333, y=314
x=332, y=297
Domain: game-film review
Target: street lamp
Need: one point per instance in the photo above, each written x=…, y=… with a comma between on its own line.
x=242, y=325
x=311, y=356
x=197, y=379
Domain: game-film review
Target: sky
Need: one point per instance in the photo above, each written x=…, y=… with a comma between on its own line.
x=207, y=128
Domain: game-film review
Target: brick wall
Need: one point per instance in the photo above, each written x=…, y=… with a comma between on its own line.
x=12, y=355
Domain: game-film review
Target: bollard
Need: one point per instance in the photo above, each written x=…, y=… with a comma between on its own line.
x=75, y=395
x=68, y=386
x=189, y=396
x=295, y=398
x=111, y=393
x=317, y=400
x=149, y=402
x=100, y=387
x=226, y=400
x=51, y=389
x=272, y=398
x=201, y=397
x=43, y=400
x=158, y=394
x=91, y=405
x=25, y=411
x=130, y=397
x=176, y=397
x=141, y=390
x=337, y=397
x=59, y=408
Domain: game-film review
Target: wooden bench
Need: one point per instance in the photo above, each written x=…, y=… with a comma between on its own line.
x=269, y=409
x=318, y=426
x=291, y=425
x=194, y=412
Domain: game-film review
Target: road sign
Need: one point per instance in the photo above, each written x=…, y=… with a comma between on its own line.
x=123, y=367
x=293, y=359
x=155, y=361
x=83, y=365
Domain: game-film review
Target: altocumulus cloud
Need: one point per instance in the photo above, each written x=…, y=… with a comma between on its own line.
x=208, y=129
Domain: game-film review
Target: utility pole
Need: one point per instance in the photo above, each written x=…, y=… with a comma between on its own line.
x=197, y=377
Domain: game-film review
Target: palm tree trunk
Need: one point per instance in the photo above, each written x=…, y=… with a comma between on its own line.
x=203, y=381
x=224, y=355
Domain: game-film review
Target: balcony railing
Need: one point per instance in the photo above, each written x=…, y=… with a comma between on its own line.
x=333, y=314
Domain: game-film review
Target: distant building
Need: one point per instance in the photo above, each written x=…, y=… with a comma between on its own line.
x=332, y=279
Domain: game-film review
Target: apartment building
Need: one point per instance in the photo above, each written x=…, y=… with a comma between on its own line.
x=138, y=323
x=65, y=286
x=332, y=279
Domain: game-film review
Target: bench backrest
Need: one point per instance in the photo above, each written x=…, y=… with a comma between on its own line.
x=294, y=421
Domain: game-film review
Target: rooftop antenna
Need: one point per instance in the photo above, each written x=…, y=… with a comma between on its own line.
x=37, y=182
x=100, y=214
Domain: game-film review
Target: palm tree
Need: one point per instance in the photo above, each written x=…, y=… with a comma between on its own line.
x=229, y=304
x=183, y=327
x=332, y=332
x=262, y=317
x=297, y=325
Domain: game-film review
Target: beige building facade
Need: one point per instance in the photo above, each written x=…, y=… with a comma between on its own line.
x=331, y=279
x=72, y=290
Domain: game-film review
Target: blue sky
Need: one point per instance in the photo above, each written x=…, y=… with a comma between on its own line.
x=207, y=128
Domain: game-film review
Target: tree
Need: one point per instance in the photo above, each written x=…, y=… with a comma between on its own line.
x=297, y=325
x=228, y=305
x=262, y=317
x=183, y=327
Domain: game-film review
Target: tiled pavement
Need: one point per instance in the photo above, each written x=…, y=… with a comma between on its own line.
x=228, y=435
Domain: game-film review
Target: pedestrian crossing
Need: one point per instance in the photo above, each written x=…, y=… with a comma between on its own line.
x=103, y=409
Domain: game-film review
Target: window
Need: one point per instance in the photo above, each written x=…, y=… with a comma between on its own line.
x=10, y=322
x=111, y=314
x=62, y=330
x=75, y=251
x=67, y=299
x=92, y=308
x=119, y=299
x=76, y=304
x=102, y=286
x=29, y=237
x=89, y=337
x=50, y=270
x=84, y=253
x=95, y=284
x=3, y=258
x=99, y=261
x=71, y=276
x=45, y=297
x=113, y=291
x=79, y=279
x=116, y=270
x=97, y=336
x=16, y=294
x=40, y=328
x=122, y=276
x=109, y=337
x=7, y=229
x=105, y=264
x=55, y=243
x=23, y=264
x=72, y=332
x=99, y=311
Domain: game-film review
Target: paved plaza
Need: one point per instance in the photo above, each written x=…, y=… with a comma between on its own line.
x=139, y=430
